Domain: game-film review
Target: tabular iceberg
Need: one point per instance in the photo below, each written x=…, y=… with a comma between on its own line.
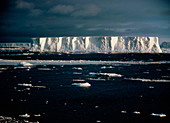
x=96, y=44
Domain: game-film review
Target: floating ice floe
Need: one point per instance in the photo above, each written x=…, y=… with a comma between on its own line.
x=98, y=79
x=151, y=86
x=4, y=118
x=3, y=68
x=28, y=57
x=28, y=54
x=26, y=64
x=46, y=102
x=158, y=70
x=30, y=85
x=136, y=112
x=44, y=69
x=159, y=115
x=23, y=67
x=96, y=106
x=86, y=84
x=147, y=80
x=105, y=67
x=39, y=86
x=78, y=80
x=77, y=73
x=98, y=121
x=26, y=89
x=37, y=115
x=105, y=74
x=77, y=68
x=26, y=85
x=25, y=115
x=123, y=112
x=146, y=72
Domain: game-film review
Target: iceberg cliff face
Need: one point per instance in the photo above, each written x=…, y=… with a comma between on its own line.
x=96, y=44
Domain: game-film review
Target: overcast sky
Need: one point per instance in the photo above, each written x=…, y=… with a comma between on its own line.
x=38, y=18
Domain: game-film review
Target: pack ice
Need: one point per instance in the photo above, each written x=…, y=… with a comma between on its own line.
x=96, y=44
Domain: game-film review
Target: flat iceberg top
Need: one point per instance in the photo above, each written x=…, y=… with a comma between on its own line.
x=96, y=44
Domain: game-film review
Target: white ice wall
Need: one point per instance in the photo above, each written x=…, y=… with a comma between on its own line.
x=96, y=44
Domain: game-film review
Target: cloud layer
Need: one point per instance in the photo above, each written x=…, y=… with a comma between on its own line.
x=62, y=9
x=32, y=18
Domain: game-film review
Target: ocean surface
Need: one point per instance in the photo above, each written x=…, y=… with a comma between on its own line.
x=49, y=87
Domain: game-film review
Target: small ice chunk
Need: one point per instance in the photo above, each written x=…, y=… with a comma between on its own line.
x=45, y=69
x=26, y=121
x=77, y=68
x=98, y=79
x=94, y=74
x=46, y=102
x=151, y=86
x=27, y=89
x=147, y=80
x=78, y=80
x=25, y=115
x=25, y=64
x=77, y=73
x=86, y=84
x=98, y=121
x=96, y=106
x=26, y=85
x=141, y=96
x=136, y=112
x=39, y=86
x=104, y=67
x=123, y=112
x=37, y=115
x=111, y=74
x=105, y=74
x=3, y=68
x=28, y=69
x=158, y=70
x=8, y=119
x=146, y=72
x=4, y=119
x=158, y=115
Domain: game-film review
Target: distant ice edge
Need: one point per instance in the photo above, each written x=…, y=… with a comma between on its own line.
x=97, y=44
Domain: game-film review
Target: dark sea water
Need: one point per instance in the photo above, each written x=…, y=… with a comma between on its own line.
x=45, y=92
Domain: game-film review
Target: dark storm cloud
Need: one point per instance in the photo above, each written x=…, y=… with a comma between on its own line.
x=31, y=18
